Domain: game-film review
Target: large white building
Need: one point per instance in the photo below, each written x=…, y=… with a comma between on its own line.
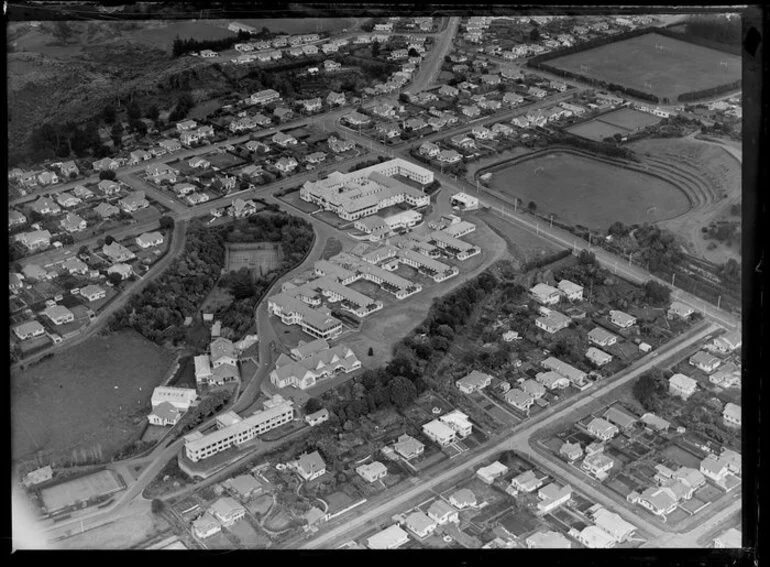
x=364, y=192
x=235, y=430
x=304, y=373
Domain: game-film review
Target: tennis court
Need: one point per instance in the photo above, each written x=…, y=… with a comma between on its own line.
x=80, y=489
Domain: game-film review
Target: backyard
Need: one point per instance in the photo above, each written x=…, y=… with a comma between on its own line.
x=656, y=64
x=87, y=401
x=587, y=192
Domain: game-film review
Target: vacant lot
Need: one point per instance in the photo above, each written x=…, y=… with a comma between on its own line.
x=588, y=192
x=80, y=490
x=93, y=395
x=259, y=257
x=655, y=64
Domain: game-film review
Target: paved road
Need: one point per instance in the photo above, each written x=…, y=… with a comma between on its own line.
x=380, y=508
x=430, y=66
x=694, y=538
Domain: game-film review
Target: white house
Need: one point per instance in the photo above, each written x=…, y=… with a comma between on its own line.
x=622, y=320
x=149, y=239
x=682, y=386
x=572, y=291
x=545, y=294
x=598, y=357
x=602, y=429
x=473, y=382
x=439, y=432
x=732, y=414
x=372, y=472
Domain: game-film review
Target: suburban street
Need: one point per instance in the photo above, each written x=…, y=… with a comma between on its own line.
x=353, y=527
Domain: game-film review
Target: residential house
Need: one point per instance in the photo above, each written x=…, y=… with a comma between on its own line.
x=372, y=472
x=439, y=432
x=242, y=208
x=552, y=322
x=459, y=422
x=73, y=265
x=547, y=540
x=420, y=524
x=105, y=210
x=68, y=168
x=388, y=130
x=449, y=156
x=537, y=92
x=679, y=309
x=545, y=294
x=335, y=99
x=682, y=386
x=429, y=149
x=654, y=422
x=602, y=337
x=553, y=496
x=408, y=447
x=705, y=362
x=149, y=239
x=117, y=252
x=58, y=314
x=622, y=419
x=732, y=414
x=310, y=466
x=356, y=119
x=613, y=524
x=552, y=380
x=311, y=104
x=482, y=133
x=316, y=157
x=106, y=164
x=227, y=510
x=463, y=498
x=519, y=399
x=29, y=330
x=34, y=240
x=443, y=512
x=728, y=342
x=186, y=125
x=502, y=129
x=133, y=202
x=598, y=465
x=205, y=526
x=526, y=482
x=622, y=320
x=535, y=389
x=82, y=192
x=489, y=473
x=264, y=97
x=316, y=418
x=73, y=223
x=92, y=292
x=473, y=382
x=338, y=146
x=490, y=80
x=171, y=146
x=67, y=200
x=714, y=469
x=124, y=270
x=463, y=142
x=571, y=451
x=728, y=376
x=571, y=291
x=15, y=218
x=598, y=357
x=45, y=206
x=283, y=140
x=286, y=164
x=448, y=91
x=602, y=429
x=471, y=111
x=389, y=538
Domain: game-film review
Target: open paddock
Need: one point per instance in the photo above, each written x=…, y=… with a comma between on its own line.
x=223, y=160
x=93, y=396
x=681, y=457
x=653, y=63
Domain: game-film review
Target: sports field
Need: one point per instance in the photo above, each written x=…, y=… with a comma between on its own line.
x=91, y=398
x=259, y=257
x=656, y=64
x=588, y=192
x=623, y=121
x=80, y=490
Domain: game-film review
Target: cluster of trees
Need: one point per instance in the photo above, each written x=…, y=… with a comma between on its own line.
x=602, y=148
x=656, y=294
x=722, y=232
x=710, y=30
x=210, y=405
x=184, y=46
x=159, y=311
x=586, y=272
x=710, y=92
x=730, y=272
x=657, y=247
x=183, y=105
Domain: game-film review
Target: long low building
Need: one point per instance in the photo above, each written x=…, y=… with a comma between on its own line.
x=462, y=250
x=366, y=268
x=435, y=269
x=237, y=431
x=575, y=376
x=362, y=193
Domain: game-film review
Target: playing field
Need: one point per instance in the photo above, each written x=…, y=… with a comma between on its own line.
x=259, y=257
x=91, y=396
x=80, y=490
x=624, y=121
x=588, y=192
x=656, y=64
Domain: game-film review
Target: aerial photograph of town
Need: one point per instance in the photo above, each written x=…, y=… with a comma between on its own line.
x=389, y=280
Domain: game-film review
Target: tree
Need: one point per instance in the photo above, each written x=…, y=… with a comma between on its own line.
x=62, y=31
x=618, y=229
x=586, y=258
x=114, y=278
x=371, y=351
x=109, y=239
x=166, y=222
x=138, y=126
x=534, y=35
x=157, y=506
x=133, y=111
x=109, y=114
x=116, y=133
x=646, y=389
x=376, y=49
x=108, y=174
x=657, y=294
x=152, y=112
x=532, y=206
x=413, y=52
x=313, y=405
x=402, y=391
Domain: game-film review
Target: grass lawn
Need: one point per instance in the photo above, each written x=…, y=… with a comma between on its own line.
x=589, y=192
x=677, y=68
x=94, y=394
